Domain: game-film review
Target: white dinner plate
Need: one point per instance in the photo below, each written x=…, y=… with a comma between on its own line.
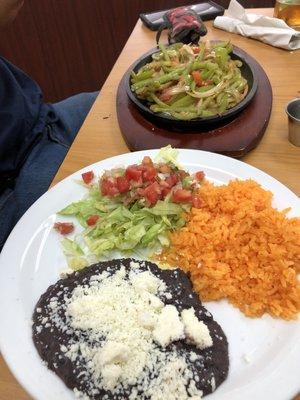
x=264, y=353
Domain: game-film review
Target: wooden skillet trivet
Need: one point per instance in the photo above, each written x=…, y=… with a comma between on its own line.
x=235, y=137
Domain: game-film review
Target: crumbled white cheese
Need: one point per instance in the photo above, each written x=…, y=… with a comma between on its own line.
x=213, y=383
x=124, y=314
x=65, y=272
x=147, y=320
x=134, y=265
x=153, y=300
x=193, y=356
x=110, y=374
x=79, y=395
x=196, y=331
x=169, y=327
x=172, y=381
x=113, y=352
x=247, y=358
x=146, y=281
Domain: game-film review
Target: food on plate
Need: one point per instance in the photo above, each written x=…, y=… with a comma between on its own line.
x=229, y=238
x=237, y=246
x=64, y=228
x=127, y=329
x=132, y=207
x=187, y=81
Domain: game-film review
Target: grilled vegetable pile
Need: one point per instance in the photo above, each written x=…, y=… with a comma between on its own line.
x=188, y=81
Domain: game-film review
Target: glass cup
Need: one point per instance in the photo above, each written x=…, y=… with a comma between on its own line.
x=289, y=11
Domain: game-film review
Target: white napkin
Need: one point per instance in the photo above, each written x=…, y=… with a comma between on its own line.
x=273, y=31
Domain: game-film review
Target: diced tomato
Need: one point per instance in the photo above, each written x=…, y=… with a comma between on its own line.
x=88, y=176
x=182, y=173
x=147, y=161
x=165, y=188
x=200, y=175
x=140, y=192
x=182, y=196
x=197, y=77
x=122, y=184
x=136, y=184
x=92, y=220
x=164, y=184
x=64, y=228
x=164, y=169
x=149, y=174
x=165, y=95
x=108, y=187
x=152, y=193
x=165, y=192
x=196, y=50
x=172, y=180
x=133, y=173
x=197, y=201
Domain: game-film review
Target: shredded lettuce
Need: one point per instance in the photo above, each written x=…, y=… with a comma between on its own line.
x=71, y=248
x=77, y=263
x=169, y=155
x=130, y=229
x=120, y=228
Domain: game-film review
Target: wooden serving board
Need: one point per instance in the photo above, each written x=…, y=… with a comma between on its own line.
x=234, y=137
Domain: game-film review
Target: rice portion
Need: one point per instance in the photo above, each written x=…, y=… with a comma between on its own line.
x=238, y=247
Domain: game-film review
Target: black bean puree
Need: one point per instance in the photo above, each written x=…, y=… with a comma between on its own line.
x=48, y=338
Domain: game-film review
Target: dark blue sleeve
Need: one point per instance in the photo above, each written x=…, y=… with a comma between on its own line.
x=23, y=117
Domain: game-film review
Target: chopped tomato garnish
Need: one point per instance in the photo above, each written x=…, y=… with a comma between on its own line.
x=197, y=201
x=149, y=174
x=197, y=77
x=152, y=193
x=92, y=220
x=165, y=188
x=164, y=169
x=147, y=161
x=182, y=173
x=172, y=180
x=195, y=50
x=200, y=175
x=165, y=191
x=88, y=176
x=164, y=184
x=165, y=96
x=133, y=172
x=108, y=187
x=122, y=184
x=182, y=196
x=64, y=228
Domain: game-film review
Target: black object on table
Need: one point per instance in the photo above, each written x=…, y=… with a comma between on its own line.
x=207, y=10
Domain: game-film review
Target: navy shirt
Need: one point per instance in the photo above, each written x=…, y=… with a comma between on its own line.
x=23, y=117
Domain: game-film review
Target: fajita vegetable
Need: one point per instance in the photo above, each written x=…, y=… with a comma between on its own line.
x=188, y=81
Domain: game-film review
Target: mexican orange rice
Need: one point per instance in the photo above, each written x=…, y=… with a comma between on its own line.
x=238, y=247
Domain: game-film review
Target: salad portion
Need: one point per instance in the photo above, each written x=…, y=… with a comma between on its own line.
x=130, y=208
x=188, y=81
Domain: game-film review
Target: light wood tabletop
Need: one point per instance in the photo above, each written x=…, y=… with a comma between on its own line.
x=100, y=136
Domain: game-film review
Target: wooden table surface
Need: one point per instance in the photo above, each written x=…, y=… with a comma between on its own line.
x=100, y=136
